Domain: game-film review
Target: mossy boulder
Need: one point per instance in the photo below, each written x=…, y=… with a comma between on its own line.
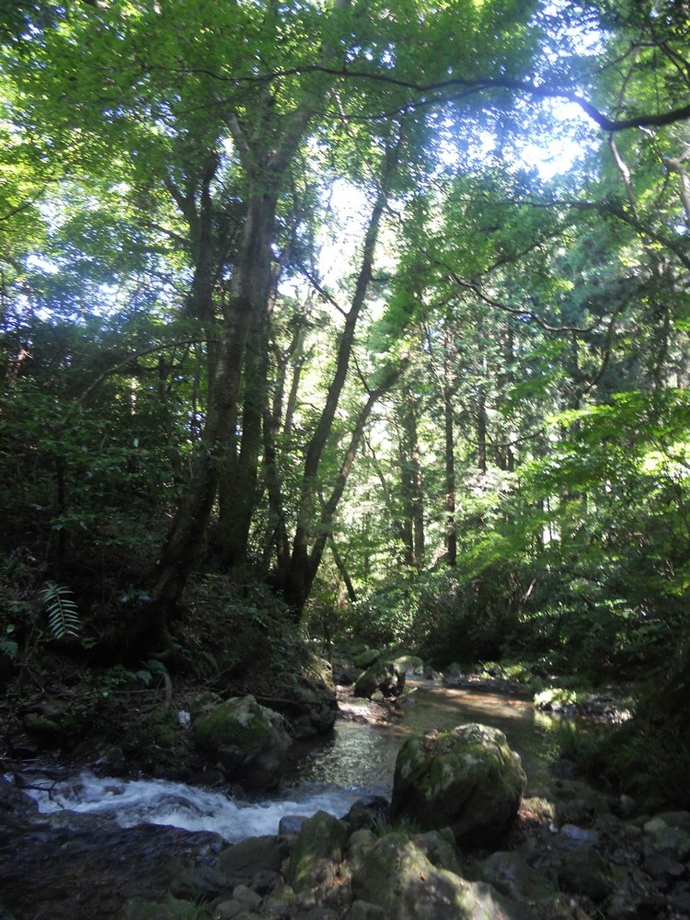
x=317, y=853
x=467, y=779
x=410, y=879
x=248, y=741
x=387, y=677
x=365, y=658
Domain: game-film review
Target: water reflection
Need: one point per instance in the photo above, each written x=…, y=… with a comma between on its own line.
x=363, y=756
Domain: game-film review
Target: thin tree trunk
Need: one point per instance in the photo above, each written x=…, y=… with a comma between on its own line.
x=296, y=577
x=304, y=567
x=239, y=477
x=449, y=452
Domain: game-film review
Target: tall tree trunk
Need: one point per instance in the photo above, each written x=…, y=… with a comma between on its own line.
x=411, y=483
x=296, y=576
x=239, y=477
x=249, y=297
x=449, y=453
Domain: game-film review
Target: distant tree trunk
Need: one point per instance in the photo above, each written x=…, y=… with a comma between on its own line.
x=449, y=433
x=411, y=483
x=344, y=574
x=449, y=444
x=482, y=428
x=305, y=563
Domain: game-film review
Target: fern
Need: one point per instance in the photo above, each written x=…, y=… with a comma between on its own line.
x=63, y=617
x=8, y=646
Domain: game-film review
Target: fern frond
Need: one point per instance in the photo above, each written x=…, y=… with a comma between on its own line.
x=63, y=616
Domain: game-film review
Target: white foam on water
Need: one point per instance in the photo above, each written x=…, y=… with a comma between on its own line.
x=192, y=808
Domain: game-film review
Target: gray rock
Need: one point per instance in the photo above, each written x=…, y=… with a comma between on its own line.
x=513, y=877
x=247, y=897
x=467, y=779
x=585, y=871
x=665, y=834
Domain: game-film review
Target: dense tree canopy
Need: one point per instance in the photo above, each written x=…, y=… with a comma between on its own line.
x=384, y=306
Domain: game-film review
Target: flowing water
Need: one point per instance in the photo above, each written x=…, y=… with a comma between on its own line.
x=98, y=842
x=355, y=760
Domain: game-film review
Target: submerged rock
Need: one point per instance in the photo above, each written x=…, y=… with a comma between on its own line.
x=467, y=779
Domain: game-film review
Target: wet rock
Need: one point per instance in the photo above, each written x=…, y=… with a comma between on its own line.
x=368, y=813
x=467, y=779
x=385, y=677
x=248, y=740
x=291, y=825
x=312, y=708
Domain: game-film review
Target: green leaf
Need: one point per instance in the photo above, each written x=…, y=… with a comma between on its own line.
x=63, y=617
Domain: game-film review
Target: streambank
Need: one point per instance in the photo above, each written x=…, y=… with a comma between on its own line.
x=572, y=853
x=576, y=856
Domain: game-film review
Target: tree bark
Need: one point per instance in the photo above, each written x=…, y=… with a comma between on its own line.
x=250, y=292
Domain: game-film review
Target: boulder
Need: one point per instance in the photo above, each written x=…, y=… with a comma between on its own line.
x=245, y=859
x=387, y=677
x=313, y=708
x=467, y=779
x=246, y=739
x=317, y=854
x=397, y=875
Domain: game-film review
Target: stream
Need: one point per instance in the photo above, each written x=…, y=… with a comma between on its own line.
x=97, y=841
x=356, y=760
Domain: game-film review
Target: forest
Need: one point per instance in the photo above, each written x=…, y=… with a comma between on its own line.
x=325, y=321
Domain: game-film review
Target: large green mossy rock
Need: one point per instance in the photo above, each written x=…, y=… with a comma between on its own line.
x=467, y=779
x=248, y=741
x=397, y=875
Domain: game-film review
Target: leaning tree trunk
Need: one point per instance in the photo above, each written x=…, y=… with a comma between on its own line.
x=298, y=571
